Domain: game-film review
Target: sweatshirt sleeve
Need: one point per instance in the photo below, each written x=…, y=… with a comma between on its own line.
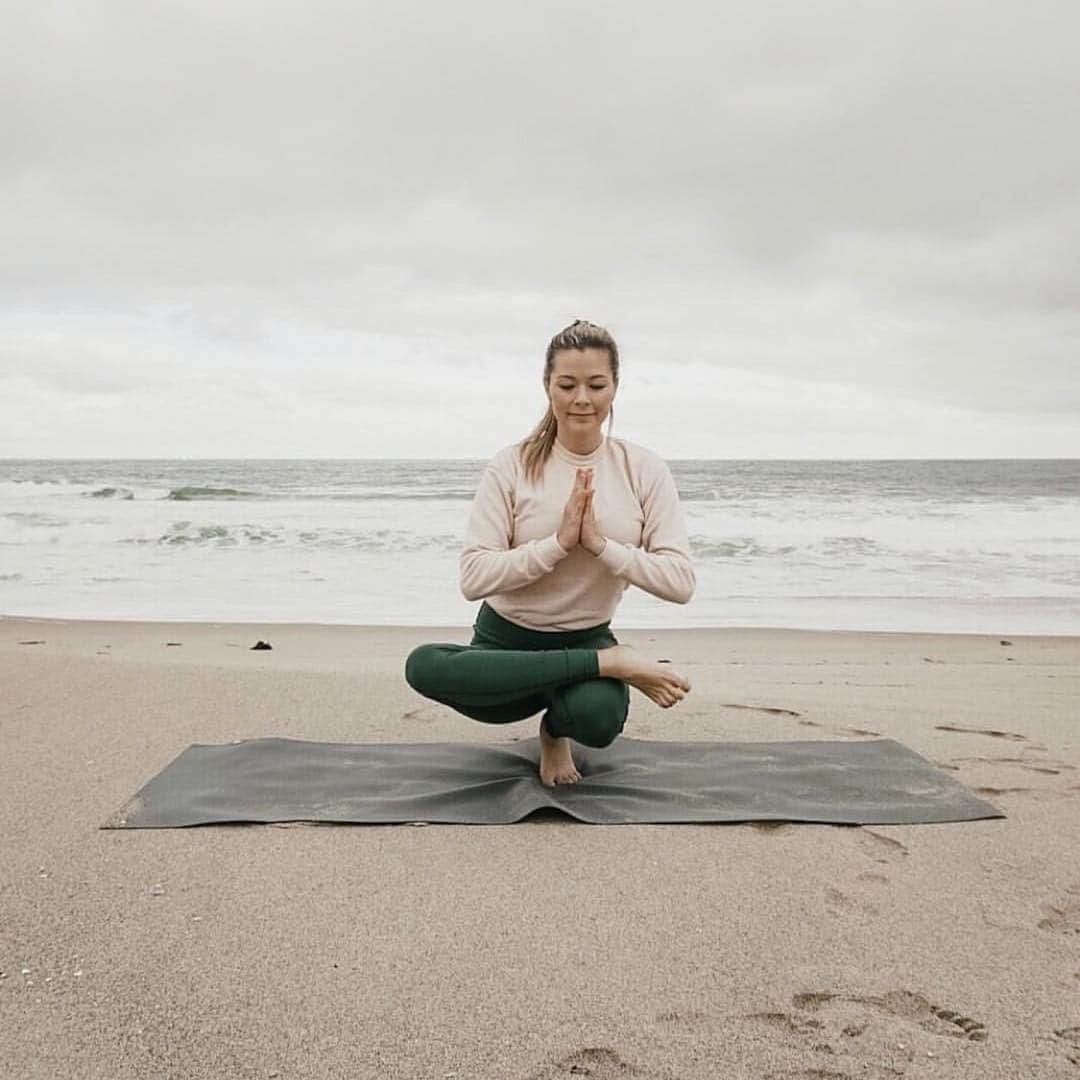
x=661, y=566
x=488, y=564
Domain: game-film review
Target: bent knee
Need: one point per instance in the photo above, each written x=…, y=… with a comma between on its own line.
x=606, y=728
x=419, y=666
x=600, y=711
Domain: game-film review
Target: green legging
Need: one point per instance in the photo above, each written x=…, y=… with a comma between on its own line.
x=509, y=672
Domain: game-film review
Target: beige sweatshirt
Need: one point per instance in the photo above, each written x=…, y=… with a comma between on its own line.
x=513, y=559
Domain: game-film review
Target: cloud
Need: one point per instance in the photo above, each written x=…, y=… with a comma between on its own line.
x=209, y=202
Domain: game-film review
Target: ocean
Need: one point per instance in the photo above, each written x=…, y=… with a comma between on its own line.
x=937, y=546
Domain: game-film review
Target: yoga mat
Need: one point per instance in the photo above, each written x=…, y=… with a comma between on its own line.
x=874, y=782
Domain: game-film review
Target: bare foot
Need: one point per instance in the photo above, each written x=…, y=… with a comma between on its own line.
x=656, y=680
x=556, y=761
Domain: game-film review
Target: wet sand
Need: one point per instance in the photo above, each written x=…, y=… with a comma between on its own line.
x=548, y=948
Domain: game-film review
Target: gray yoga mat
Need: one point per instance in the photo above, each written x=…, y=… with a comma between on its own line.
x=876, y=782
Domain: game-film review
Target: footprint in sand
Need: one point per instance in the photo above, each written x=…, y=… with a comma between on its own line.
x=902, y=1004
x=884, y=850
x=598, y=1062
x=873, y=876
x=842, y=903
x=1064, y=916
x=426, y=713
x=1048, y=768
x=687, y=1016
x=1012, y=736
x=786, y=1022
x=841, y=730
x=880, y=848
x=868, y=1035
x=762, y=708
x=1070, y=1040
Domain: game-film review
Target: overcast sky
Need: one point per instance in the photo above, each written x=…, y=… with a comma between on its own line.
x=257, y=229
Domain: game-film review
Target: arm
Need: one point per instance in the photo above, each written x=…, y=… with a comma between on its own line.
x=661, y=566
x=488, y=563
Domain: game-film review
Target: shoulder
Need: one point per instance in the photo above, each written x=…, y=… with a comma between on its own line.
x=641, y=460
x=506, y=463
x=508, y=457
x=649, y=474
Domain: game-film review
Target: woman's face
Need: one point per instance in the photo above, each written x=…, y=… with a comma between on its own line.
x=581, y=391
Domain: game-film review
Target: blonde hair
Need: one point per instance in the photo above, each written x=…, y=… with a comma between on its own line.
x=535, y=448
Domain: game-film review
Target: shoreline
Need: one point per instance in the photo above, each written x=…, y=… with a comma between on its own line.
x=199, y=625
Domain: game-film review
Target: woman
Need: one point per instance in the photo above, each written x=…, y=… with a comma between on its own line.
x=562, y=524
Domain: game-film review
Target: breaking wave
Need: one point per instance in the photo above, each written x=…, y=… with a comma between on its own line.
x=212, y=534
x=196, y=494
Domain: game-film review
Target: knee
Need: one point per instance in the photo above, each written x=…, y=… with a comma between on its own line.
x=418, y=667
x=599, y=711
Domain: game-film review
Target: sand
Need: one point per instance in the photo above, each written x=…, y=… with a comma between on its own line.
x=549, y=948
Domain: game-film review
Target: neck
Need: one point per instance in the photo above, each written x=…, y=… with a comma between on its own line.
x=585, y=442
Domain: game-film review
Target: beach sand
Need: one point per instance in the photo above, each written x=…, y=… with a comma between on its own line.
x=548, y=948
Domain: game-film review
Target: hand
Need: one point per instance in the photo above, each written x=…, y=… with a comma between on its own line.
x=592, y=539
x=569, y=533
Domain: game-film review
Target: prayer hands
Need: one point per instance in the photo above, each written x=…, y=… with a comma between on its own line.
x=569, y=533
x=579, y=525
x=592, y=539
